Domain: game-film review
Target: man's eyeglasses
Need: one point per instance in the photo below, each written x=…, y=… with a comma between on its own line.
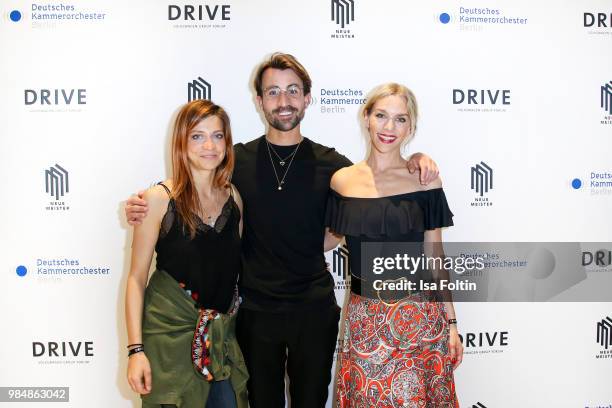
x=292, y=91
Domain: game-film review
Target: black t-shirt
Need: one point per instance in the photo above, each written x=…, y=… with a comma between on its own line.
x=283, y=263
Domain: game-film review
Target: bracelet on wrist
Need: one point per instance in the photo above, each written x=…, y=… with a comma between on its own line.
x=452, y=321
x=135, y=350
x=133, y=345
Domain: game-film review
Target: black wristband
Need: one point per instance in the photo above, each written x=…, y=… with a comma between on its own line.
x=135, y=344
x=452, y=321
x=135, y=350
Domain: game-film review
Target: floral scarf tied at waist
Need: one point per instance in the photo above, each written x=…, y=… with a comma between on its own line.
x=201, y=344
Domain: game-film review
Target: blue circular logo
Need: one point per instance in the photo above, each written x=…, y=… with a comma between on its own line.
x=576, y=183
x=444, y=18
x=15, y=15
x=21, y=270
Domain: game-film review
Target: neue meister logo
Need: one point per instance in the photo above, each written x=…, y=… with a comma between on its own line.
x=604, y=332
x=342, y=12
x=198, y=89
x=56, y=181
x=482, y=178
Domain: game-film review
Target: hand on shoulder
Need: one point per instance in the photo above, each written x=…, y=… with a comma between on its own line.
x=435, y=183
x=157, y=192
x=157, y=198
x=414, y=181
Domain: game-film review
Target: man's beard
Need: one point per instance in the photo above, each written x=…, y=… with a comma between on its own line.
x=283, y=125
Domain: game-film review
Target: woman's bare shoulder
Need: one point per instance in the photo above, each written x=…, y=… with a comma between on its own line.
x=157, y=196
x=346, y=176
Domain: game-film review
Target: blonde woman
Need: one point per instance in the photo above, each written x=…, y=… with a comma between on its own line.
x=399, y=352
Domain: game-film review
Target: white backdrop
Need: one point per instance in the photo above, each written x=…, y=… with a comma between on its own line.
x=132, y=65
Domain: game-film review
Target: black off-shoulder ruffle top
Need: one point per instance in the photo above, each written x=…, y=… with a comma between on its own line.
x=398, y=218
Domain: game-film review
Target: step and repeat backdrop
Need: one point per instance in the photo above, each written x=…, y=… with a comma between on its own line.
x=516, y=108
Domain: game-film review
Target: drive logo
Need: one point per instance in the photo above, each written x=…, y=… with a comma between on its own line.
x=481, y=96
x=188, y=12
x=597, y=20
x=482, y=100
x=598, y=258
x=55, y=96
x=63, y=352
x=604, y=332
x=63, y=349
x=485, y=339
x=56, y=181
x=484, y=342
x=597, y=23
x=342, y=12
x=198, y=89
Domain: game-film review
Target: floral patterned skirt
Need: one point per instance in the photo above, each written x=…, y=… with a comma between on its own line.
x=395, y=355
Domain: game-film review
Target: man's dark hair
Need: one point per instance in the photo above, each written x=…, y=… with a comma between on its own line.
x=282, y=61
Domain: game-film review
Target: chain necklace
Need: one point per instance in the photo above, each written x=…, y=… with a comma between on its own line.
x=209, y=219
x=281, y=160
x=281, y=181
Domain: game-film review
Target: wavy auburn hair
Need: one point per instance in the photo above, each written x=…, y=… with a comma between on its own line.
x=184, y=193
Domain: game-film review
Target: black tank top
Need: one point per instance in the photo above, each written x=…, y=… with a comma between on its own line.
x=208, y=265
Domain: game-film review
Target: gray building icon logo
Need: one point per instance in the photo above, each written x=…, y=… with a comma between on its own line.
x=342, y=11
x=604, y=332
x=482, y=178
x=198, y=89
x=606, y=97
x=340, y=261
x=56, y=181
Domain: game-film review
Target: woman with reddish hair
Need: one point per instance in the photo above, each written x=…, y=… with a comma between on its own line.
x=182, y=347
